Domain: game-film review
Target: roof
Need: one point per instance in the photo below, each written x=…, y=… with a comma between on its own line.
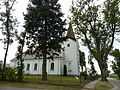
x=70, y=33
x=27, y=57
x=32, y=57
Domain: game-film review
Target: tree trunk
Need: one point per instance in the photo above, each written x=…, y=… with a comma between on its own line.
x=102, y=64
x=4, y=64
x=44, y=65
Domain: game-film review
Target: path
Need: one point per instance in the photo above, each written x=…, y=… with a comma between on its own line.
x=116, y=84
x=12, y=88
x=90, y=85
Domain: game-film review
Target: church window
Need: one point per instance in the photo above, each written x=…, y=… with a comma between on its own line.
x=35, y=66
x=68, y=45
x=52, y=66
x=28, y=67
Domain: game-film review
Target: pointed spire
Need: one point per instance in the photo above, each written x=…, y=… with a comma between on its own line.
x=70, y=33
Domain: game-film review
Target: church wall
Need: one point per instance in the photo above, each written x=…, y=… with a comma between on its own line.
x=69, y=57
x=72, y=57
x=31, y=69
x=57, y=66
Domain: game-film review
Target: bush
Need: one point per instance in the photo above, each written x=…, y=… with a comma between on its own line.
x=10, y=74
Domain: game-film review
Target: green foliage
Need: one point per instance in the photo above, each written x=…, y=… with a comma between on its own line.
x=116, y=63
x=44, y=27
x=19, y=55
x=10, y=74
x=97, y=27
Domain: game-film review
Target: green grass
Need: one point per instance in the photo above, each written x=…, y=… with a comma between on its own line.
x=103, y=86
x=57, y=80
x=114, y=76
x=53, y=83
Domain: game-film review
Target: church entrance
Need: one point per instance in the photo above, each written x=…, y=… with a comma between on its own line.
x=65, y=70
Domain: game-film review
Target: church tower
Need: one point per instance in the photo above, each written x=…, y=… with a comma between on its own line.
x=71, y=53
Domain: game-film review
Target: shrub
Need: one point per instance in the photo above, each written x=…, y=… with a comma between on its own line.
x=10, y=74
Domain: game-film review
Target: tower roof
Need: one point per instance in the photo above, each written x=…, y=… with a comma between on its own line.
x=70, y=33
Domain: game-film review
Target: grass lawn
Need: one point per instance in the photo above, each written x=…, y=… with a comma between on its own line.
x=114, y=76
x=56, y=80
x=103, y=86
x=53, y=83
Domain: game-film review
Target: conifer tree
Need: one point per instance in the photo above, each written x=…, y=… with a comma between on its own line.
x=44, y=28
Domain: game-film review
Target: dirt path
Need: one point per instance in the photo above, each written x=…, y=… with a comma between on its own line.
x=12, y=88
x=90, y=85
x=116, y=84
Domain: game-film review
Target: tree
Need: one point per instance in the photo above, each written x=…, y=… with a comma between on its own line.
x=92, y=71
x=83, y=65
x=8, y=24
x=116, y=63
x=97, y=27
x=82, y=60
x=19, y=55
x=44, y=28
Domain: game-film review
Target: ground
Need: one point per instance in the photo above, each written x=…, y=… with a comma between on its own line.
x=90, y=85
x=116, y=84
x=13, y=88
x=62, y=83
x=35, y=83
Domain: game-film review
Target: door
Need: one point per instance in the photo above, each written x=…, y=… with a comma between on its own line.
x=65, y=70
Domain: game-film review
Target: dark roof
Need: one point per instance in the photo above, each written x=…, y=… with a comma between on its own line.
x=70, y=33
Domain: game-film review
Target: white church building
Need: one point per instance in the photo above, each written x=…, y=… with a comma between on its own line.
x=67, y=63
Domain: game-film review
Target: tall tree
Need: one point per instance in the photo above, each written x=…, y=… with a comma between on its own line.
x=19, y=55
x=8, y=23
x=44, y=28
x=97, y=27
x=116, y=63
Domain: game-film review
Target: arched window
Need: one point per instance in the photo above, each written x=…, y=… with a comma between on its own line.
x=52, y=66
x=68, y=45
x=35, y=66
x=28, y=67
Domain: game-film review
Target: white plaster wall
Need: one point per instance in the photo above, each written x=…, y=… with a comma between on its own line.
x=72, y=57
x=57, y=65
x=31, y=70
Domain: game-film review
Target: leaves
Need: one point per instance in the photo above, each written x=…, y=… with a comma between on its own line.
x=44, y=25
x=97, y=26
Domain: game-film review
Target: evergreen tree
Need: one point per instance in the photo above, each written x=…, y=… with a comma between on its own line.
x=44, y=28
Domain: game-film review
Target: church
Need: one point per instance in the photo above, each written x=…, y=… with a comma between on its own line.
x=67, y=63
